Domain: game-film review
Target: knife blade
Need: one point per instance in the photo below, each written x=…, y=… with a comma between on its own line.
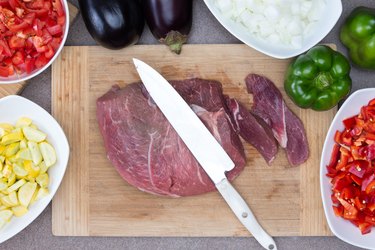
x=205, y=148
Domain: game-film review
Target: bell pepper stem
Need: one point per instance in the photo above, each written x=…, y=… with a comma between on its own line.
x=323, y=80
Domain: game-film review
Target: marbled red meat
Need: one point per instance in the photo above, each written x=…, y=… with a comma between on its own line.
x=297, y=149
x=286, y=126
x=269, y=105
x=146, y=150
x=253, y=130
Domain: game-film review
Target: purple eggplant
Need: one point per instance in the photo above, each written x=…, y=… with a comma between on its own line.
x=169, y=21
x=113, y=23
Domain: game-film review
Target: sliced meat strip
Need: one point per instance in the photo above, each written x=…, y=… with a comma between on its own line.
x=253, y=130
x=269, y=105
x=287, y=128
x=297, y=149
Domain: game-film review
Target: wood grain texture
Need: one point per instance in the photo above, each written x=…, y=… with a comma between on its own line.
x=94, y=200
x=11, y=89
x=71, y=110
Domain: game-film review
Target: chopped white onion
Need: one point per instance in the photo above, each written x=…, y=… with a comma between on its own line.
x=281, y=22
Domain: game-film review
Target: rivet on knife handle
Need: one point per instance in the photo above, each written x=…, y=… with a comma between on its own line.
x=244, y=214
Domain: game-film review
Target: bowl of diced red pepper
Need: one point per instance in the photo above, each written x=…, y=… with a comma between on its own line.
x=32, y=34
x=347, y=171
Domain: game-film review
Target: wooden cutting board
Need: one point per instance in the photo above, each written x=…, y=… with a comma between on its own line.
x=93, y=200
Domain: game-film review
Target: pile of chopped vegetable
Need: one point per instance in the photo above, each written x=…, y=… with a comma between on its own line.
x=280, y=22
x=30, y=34
x=25, y=157
x=352, y=171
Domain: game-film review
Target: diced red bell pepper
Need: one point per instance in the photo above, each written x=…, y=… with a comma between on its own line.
x=359, y=167
x=358, y=152
x=347, y=193
x=367, y=182
x=359, y=203
x=370, y=219
x=337, y=137
x=369, y=136
x=349, y=122
x=365, y=227
x=353, y=171
x=338, y=210
x=346, y=138
x=370, y=187
x=371, y=207
x=341, y=164
x=356, y=179
x=334, y=199
x=371, y=102
x=356, y=131
x=340, y=184
x=350, y=212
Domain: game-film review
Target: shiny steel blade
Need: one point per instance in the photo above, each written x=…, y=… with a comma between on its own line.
x=208, y=152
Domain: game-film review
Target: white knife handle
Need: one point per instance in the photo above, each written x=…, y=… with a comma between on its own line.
x=244, y=214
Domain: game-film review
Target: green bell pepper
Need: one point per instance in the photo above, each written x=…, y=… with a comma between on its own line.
x=318, y=79
x=358, y=35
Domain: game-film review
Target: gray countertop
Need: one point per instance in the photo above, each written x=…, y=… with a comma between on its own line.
x=206, y=29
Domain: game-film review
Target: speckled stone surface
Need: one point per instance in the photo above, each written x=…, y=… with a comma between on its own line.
x=206, y=29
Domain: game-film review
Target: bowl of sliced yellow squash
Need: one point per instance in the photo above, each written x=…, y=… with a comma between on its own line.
x=34, y=153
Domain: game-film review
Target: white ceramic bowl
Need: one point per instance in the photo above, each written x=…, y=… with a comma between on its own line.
x=342, y=228
x=24, y=76
x=11, y=108
x=326, y=23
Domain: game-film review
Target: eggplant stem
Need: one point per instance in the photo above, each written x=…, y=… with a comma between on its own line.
x=174, y=40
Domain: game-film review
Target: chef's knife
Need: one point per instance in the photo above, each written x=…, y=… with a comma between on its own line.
x=208, y=152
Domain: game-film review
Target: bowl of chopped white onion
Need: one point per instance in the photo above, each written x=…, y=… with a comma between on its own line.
x=278, y=28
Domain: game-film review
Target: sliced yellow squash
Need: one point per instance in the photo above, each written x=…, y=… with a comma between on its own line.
x=12, y=137
x=19, y=210
x=33, y=134
x=48, y=153
x=36, y=156
x=26, y=192
x=23, y=122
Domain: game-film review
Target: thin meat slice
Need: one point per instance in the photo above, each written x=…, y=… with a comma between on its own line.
x=286, y=126
x=253, y=130
x=297, y=149
x=269, y=105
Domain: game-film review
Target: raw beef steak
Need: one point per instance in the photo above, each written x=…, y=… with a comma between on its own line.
x=146, y=150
